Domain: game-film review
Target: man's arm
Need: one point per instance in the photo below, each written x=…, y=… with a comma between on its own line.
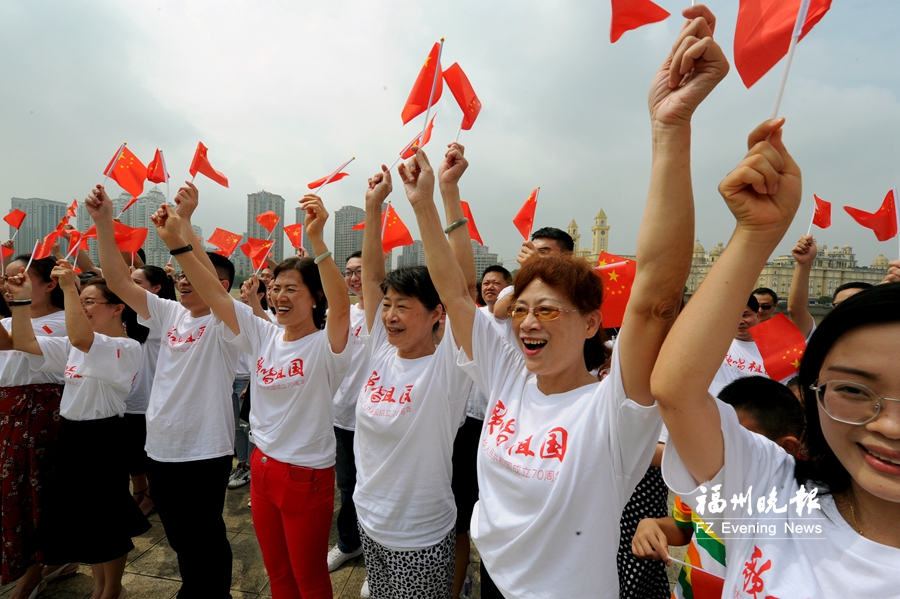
x=449, y=173
x=798, y=295
x=186, y=202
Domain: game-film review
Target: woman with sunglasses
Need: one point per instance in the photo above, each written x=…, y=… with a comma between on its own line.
x=826, y=527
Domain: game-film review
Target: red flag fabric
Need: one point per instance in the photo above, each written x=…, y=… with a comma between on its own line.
x=473, y=230
x=464, y=93
x=883, y=221
x=764, y=31
x=295, y=234
x=631, y=14
x=257, y=250
x=70, y=213
x=200, y=164
x=62, y=224
x=417, y=103
x=7, y=252
x=361, y=226
x=15, y=218
x=395, y=232
x=617, y=274
x=126, y=170
x=128, y=239
x=524, y=220
x=130, y=203
x=705, y=585
x=76, y=238
x=410, y=150
x=781, y=345
x=319, y=182
x=156, y=170
x=226, y=241
x=45, y=248
x=268, y=220
x=822, y=217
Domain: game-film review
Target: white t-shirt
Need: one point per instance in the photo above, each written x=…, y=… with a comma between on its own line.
x=137, y=400
x=554, y=474
x=190, y=416
x=244, y=364
x=345, y=399
x=406, y=420
x=786, y=555
x=743, y=359
x=477, y=399
x=97, y=382
x=291, y=415
x=14, y=368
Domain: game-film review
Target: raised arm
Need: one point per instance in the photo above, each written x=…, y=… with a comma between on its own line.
x=694, y=67
x=250, y=296
x=338, y=322
x=763, y=193
x=169, y=227
x=82, y=259
x=449, y=173
x=78, y=327
x=798, y=295
x=23, y=339
x=446, y=274
x=185, y=203
x=115, y=271
x=372, y=256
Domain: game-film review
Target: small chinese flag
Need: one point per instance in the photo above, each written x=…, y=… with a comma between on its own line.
x=883, y=221
x=45, y=248
x=130, y=203
x=395, y=232
x=524, y=220
x=781, y=345
x=200, y=164
x=15, y=218
x=126, y=170
x=295, y=234
x=705, y=585
x=76, y=238
x=62, y=224
x=473, y=230
x=417, y=103
x=70, y=213
x=7, y=252
x=617, y=274
x=464, y=93
x=631, y=14
x=764, y=31
x=410, y=150
x=226, y=241
x=822, y=217
x=320, y=182
x=257, y=250
x=268, y=220
x=156, y=170
x=128, y=239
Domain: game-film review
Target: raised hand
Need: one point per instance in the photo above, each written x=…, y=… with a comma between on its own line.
x=453, y=166
x=418, y=178
x=527, y=252
x=380, y=186
x=316, y=215
x=693, y=68
x=18, y=286
x=98, y=204
x=168, y=226
x=64, y=274
x=186, y=200
x=893, y=274
x=805, y=251
x=249, y=294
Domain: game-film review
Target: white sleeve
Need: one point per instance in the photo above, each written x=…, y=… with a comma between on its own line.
x=56, y=354
x=160, y=312
x=493, y=358
x=114, y=360
x=375, y=339
x=337, y=365
x=455, y=380
x=253, y=330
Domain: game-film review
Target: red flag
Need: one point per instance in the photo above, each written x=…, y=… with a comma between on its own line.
x=7, y=252
x=395, y=232
x=410, y=150
x=417, y=103
x=781, y=345
x=156, y=170
x=257, y=250
x=524, y=220
x=76, y=238
x=45, y=248
x=464, y=93
x=705, y=585
x=883, y=221
x=62, y=224
x=15, y=218
x=128, y=239
x=822, y=217
x=130, y=203
x=631, y=14
x=319, y=182
x=70, y=213
x=268, y=220
x=473, y=230
x=295, y=234
x=126, y=170
x=617, y=274
x=226, y=241
x=200, y=164
x=764, y=31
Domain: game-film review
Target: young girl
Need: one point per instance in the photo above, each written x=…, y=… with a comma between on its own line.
x=99, y=359
x=297, y=368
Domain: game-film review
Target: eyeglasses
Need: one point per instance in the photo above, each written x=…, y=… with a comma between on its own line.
x=181, y=277
x=766, y=307
x=849, y=402
x=353, y=273
x=542, y=313
x=89, y=303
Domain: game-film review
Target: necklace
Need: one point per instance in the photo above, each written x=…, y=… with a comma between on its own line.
x=853, y=515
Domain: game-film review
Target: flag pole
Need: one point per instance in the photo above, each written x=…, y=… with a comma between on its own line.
x=73, y=247
x=536, y=194
x=395, y=163
x=14, y=234
x=798, y=29
x=333, y=175
x=433, y=87
x=268, y=238
x=165, y=174
x=31, y=259
x=459, y=131
x=115, y=159
x=678, y=561
x=384, y=224
x=813, y=219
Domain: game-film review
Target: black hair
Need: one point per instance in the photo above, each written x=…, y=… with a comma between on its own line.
x=876, y=305
x=142, y=255
x=43, y=267
x=851, y=285
x=774, y=407
x=507, y=276
x=263, y=302
x=4, y=307
x=129, y=317
x=564, y=239
x=766, y=291
x=309, y=272
x=224, y=267
x=414, y=281
x=356, y=254
x=753, y=304
x=157, y=276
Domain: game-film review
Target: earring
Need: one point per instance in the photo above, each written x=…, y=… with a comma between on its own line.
x=314, y=306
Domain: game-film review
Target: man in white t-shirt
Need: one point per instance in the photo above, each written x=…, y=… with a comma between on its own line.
x=190, y=423
x=743, y=357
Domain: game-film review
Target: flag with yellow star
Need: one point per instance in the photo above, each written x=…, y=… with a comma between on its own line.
x=295, y=234
x=781, y=345
x=226, y=241
x=417, y=103
x=257, y=250
x=464, y=93
x=126, y=170
x=883, y=221
x=395, y=232
x=617, y=274
x=822, y=216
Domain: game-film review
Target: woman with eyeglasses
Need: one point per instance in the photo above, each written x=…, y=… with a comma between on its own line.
x=826, y=527
x=89, y=516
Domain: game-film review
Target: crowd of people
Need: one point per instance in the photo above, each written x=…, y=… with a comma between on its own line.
x=446, y=410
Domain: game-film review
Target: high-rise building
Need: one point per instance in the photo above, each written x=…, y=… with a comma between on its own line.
x=42, y=217
x=483, y=258
x=242, y=264
x=346, y=240
x=412, y=255
x=263, y=201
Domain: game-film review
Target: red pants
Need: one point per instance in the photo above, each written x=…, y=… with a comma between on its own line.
x=292, y=510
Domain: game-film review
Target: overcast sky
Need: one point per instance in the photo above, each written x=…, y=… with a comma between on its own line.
x=282, y=92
